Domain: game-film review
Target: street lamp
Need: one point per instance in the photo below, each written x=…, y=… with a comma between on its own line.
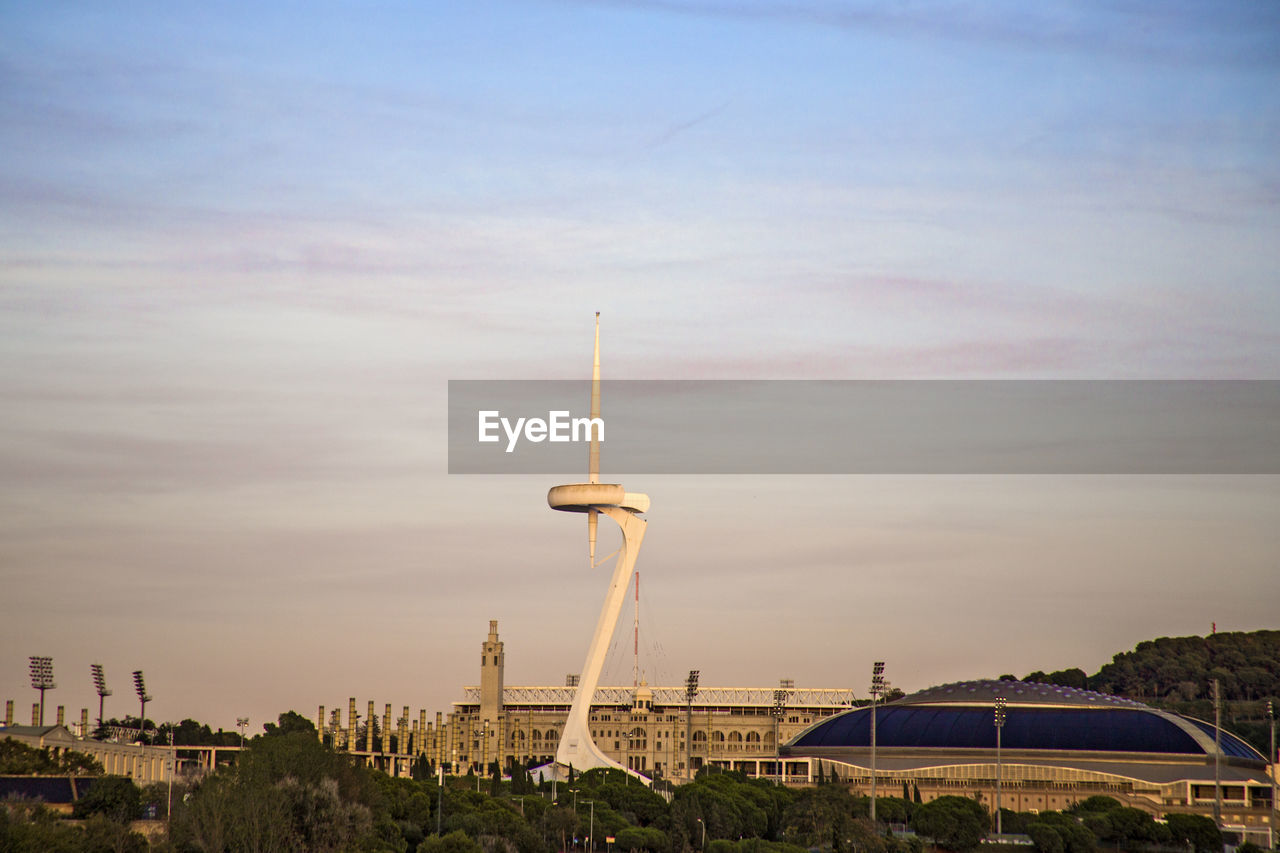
x=690, y=691
x=100, y=683
x=704, y=834
x=141, y=687
x=241, y=722
x=42, y=680
x=591, y=830
x=877, y=687
x=999, y=721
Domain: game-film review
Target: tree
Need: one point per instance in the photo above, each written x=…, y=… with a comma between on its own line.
x=290, y=722
x=18, y=759
x=1199, y=831
x=101, y=833
x=115, y=797
x=454, y=842
x=954, y=823
x=559, y=822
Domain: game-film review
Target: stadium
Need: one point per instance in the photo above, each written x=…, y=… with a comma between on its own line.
x=1058, y=745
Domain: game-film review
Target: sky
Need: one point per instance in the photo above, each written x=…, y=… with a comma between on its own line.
x=244, y=247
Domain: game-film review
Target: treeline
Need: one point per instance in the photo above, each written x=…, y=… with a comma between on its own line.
x=289, y=792
x=1177, y=674
x=1245, y=664
x=186, y=733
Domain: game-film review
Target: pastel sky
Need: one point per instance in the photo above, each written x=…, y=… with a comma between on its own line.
x=243, y=247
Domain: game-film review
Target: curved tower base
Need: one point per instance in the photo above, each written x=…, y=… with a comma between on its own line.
x=577, y=749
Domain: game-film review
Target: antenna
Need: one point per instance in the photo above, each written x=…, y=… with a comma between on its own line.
x=635, y=667
x=593, y=459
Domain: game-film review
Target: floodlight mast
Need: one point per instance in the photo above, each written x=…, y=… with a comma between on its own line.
x=41, y=679
x=779, y=710
x=100, y=684
x=877, y=687
x=690, y=691
x=999, y=723
x=140, y=686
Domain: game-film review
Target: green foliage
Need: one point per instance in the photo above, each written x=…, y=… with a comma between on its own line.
x=32, y=828
x=1247, y=665
x=1045, y=838
x=102, y=833
x=291, y=722
x=1097, y=803
x=729, y=805
x=454, y=842
x=18, y=759
x=1073, y=677
x=634, y=839
x=1074, y=836
x=1198, y=831
x=954, y=823
x=113, y=797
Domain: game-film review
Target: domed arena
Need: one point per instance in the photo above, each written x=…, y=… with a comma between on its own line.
x=1057, y=746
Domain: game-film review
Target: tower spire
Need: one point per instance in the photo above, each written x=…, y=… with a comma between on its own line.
x=593, y=460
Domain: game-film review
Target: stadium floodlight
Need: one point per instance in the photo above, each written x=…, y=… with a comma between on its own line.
x=779, y=710
x=877, y=688
x=1271, y=759
x=41, y=679
x=100, y=684
x=140, y=686
x=690, y=691
x=999, y=722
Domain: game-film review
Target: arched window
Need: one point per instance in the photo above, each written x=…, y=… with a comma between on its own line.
x=753, y=737
x=535, y=735
x=717, y=737
x=699, y=737
x=768, y=737
x=735, y=737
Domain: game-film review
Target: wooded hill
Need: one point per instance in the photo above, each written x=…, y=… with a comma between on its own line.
x=1177, y=673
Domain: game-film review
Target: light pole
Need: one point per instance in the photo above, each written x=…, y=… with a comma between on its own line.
x=100, y=684
x=42, y=680
x=591, y=829
x=877, y=687
x=173, y=767
x=690, y=691
x=1271, y=759
x=778, y=711
x=1217, y=754
x=140, y=686
x=440, y=800
x=999, y=721
x=703, y=846
x=241, y=722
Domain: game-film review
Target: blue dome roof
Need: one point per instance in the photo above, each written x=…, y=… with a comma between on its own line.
x=1038, y=717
